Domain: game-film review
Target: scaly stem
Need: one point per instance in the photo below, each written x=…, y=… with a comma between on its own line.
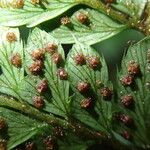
x=120, y=17
x=97, y=4
x=144, y=23
x=147, y=20
x=74, y=125
x=27, y=109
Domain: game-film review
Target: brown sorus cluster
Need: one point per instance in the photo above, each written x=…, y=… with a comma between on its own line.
x=36, y=67
x=3, y=144
x=86, y=103
x=51, y=48
x=35, y=2
x=38, y=54
x=127, y=100
x=133, y=68
x=3, y=123
x=82, y=18
x=50, y=143
x=42, y=86
x=57, y=58
x=127, y=80
x=127, y=120
x=18, y=4
x=62, y=74
x=65, y=20
x=80, y=59
x=93, y=62
x=106, y=92
x=38, y=102
x=16, y=60
x=126, y=135
x=30, y=146
x=83, y=87
x=11, y=37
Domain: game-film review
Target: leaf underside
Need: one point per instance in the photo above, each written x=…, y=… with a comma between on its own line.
x=100, y=27
x=11, y=76
x=32, y=15
x=59, y=89
x=20, y=127
x=86, y=74
x=139, y=90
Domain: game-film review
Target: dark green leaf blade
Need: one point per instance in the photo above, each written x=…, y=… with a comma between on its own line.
x=139, y=90
x=59, y=88
x=102, y=109
x=32, y=15
x=11, y=76
x=28, y=89
x=73, y=143
x=121, y=139
x=20, y=127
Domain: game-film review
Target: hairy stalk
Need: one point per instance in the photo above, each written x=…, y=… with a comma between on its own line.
x=74, y=126
x=27, y=109
x=116, y=15
x=143, y=26
x=147, y=19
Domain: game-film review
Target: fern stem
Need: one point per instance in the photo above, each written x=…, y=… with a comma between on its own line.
x=97, y=4
x=142, y=25
x=147, y=19
x=27, y=109
x=73, y=125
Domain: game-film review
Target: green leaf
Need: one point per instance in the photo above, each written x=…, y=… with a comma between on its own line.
x=132, y=7
x=121, y=139
x=28, y=89
x=11, y=76
x=32, y=15
x=59, y=88
x=84, y=116
x=99, y=117
x=69, y=140
x=100, y=28
x=140, y=91
x=20, y=127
